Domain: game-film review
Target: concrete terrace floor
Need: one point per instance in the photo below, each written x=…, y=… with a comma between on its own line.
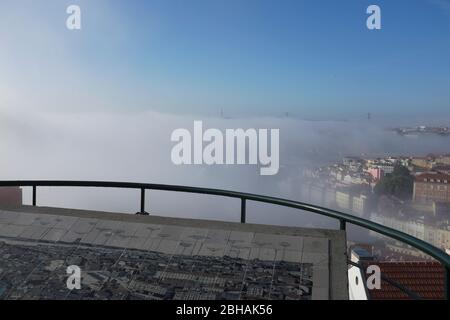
x=212, y=259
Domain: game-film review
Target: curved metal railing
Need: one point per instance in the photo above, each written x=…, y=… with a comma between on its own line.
x=343, y=218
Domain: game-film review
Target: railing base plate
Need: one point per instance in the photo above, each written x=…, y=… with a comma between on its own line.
x=145, y=213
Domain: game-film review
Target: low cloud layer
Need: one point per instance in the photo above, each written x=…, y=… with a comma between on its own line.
x=136, y=147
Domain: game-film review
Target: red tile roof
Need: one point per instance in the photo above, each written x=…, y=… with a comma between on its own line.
x=426, y=279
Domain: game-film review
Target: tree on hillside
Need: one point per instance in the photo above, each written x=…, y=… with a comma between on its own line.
x=399, y=184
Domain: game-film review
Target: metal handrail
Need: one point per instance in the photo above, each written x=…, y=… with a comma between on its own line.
x=343, y=218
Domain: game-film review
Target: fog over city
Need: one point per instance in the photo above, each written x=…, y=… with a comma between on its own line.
x=136, y=147
x=340, y=107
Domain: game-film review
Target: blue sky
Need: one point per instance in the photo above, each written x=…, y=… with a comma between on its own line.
x=313, y=59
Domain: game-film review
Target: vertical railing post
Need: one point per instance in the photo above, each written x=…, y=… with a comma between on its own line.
x=342, y=224
x=243, y=210
x=143, y=201
x=34, y=196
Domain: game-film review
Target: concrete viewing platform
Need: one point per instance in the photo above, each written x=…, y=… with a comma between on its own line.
x=123, y=256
